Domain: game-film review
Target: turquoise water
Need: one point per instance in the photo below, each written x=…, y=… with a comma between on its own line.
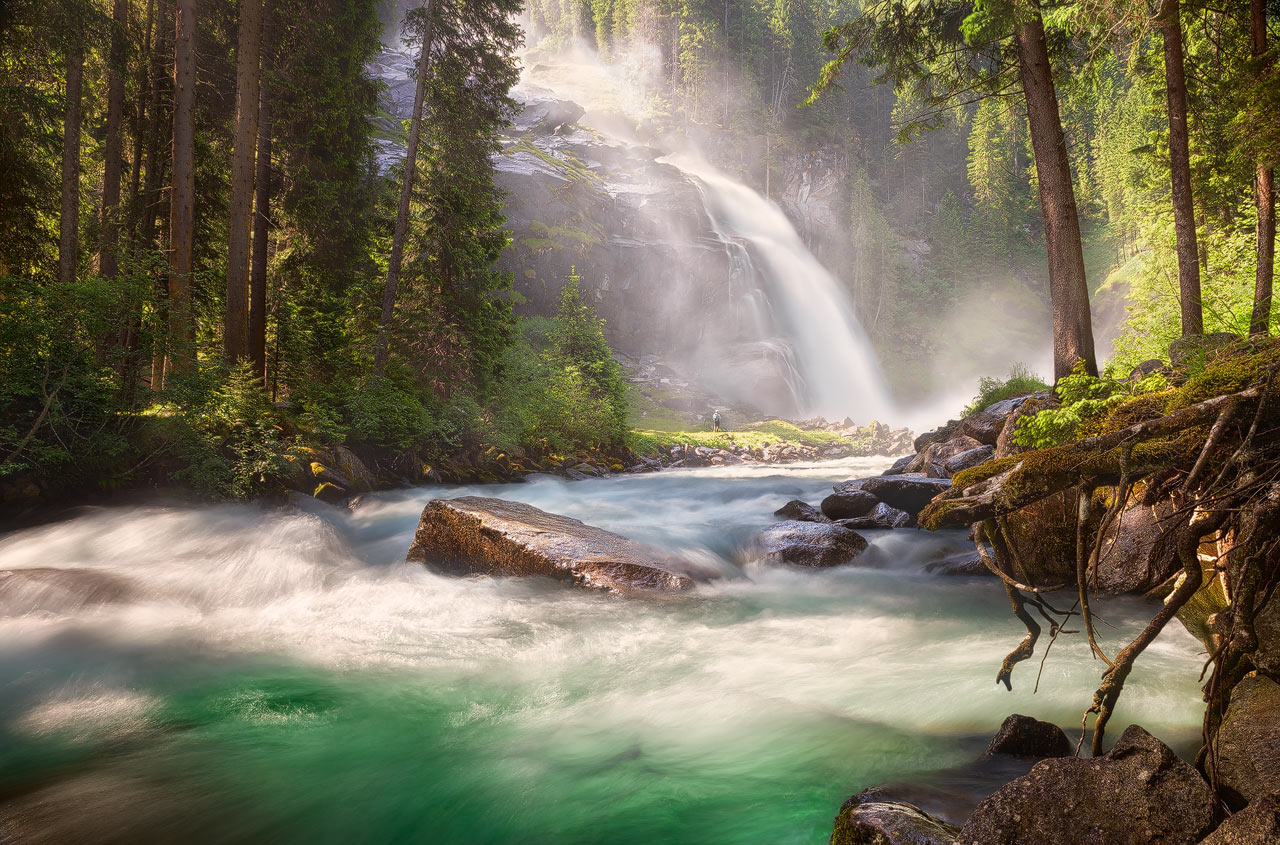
x=260, y=675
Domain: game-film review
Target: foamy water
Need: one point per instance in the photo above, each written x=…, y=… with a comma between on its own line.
x=282, y=674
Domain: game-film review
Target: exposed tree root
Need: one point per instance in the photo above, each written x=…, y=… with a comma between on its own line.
x=1223, y=481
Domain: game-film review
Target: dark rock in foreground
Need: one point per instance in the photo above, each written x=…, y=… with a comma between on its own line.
x=1248, y=741
x=808, y=544
x=968, y=460
x=865, y=819
x=1023, y=736
x=881, y=516
x=932, y=461
x=800, y=512
x=900, y=465
x=475, y=535
x=908, y=493
x=962, y=564
x=1139, y=792
x=1257, y=824
x=984, y=426
x=847, y=504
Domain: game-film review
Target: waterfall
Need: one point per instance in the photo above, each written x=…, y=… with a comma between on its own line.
x=837, y=370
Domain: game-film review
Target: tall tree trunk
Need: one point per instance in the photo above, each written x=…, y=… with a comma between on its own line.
x=69, y=222
x=113, y=151
x=1264, y=197
x=383, y=341
x=1068, y=290
x=248, y=76
x=1184, y=219
x=181, y=351
x=156, y=163
x=261, y=234
x=140, y=114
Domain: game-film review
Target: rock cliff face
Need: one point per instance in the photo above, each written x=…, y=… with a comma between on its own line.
x=666, y=283
x=586, y=190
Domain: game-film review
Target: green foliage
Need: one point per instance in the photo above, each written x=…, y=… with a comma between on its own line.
x=387, y=412
x=233, y=444
x=1020, y=382
x=1086, y=400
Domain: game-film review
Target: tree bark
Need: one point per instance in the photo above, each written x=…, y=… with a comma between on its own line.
x=383, y=341
x=156, y=165
x=248, y=76
x=69, y=221
x=261, y=235
x=1264, y=197
x=1184, y=219
x=181, y=350
x=1068, y=290
x=113, y=149
x=144, y=83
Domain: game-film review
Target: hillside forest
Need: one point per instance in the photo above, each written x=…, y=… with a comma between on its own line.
x=206, y=268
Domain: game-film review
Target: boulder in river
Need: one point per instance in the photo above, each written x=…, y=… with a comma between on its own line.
x=800, y=512
x=960, y=564
x=868, y=819
x=1257, y=824
x=808, y=544
x=475, y=535
x=881, y=516
x=908, y=493
x=1139, y=792
x=1024, y=736
x=847, y=504
x=1248, y=741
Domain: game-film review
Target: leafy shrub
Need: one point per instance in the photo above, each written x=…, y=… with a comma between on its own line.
x=233, y=444
x=385, y=412
x=991, y=390
x=1086, y=401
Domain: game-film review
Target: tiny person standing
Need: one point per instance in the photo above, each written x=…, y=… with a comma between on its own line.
x=715, y=421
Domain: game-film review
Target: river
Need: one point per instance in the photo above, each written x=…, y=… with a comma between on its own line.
x=239, y=673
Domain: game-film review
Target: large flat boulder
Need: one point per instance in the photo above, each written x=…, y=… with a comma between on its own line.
x=908, y=493
x=475, y=535
x=1140, y=792
x=813, y=544
x=1248, y=741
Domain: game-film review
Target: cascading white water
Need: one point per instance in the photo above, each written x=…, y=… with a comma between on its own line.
x=234, y=674
x=838, y=369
